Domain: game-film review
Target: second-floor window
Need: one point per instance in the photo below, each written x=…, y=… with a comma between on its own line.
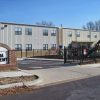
x=89, y=36
x=78, y=34
x=95, y=36
x=18, y=31
x=18, y=47
x=45, y=32
x=53, y=33
x=28, y=47
x=69, y=34
x=28, y=31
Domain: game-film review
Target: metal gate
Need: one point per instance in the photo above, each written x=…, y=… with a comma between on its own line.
x=82, y=55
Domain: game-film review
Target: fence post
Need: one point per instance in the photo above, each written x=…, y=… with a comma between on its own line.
x=33, y=52
x=81, y=55
x=21, y=53
x=95, y=57
x=65, y=54
x=26, y=52
x=41, y=51
x=49, y=52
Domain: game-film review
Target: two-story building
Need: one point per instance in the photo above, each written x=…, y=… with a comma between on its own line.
x=24, y=37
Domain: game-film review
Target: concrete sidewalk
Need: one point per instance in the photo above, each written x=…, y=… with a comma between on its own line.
x=65, y=74
x=57, y=75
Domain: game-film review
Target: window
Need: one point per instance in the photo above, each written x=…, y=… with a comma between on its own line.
x=95, y=36
x=53, y=45
x=88, y=35
x=18, y=31
x=45, y=32
x=53, y=33
x=18, y=47
x=78, y=34
x=70, y=34
x=28, y=31
x=45, y=46
x=28, y=47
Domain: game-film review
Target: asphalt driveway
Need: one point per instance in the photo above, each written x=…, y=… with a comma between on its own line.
x=85, y=89
x=41, y=64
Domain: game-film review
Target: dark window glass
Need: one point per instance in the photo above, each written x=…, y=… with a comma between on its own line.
x=18, y=47
x=88, y=35
x=45, y=46
x=78, y=34
x=53, y=33
x=45, y=32
x=53, y=46
x=28, y=47
x=28, y=31
x=18, y=31
x=70, y=34
x=95, y=36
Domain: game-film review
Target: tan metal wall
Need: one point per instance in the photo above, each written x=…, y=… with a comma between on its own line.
x=34, y=53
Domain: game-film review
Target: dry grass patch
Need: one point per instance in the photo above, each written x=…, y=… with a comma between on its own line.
x=17, y=89
x=10, y=80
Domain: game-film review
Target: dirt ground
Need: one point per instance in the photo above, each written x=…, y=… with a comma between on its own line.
x=16, y=90
x=9, y=80
x=22, y=89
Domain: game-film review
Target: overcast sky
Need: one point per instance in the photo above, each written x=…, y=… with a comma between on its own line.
x=69, y=13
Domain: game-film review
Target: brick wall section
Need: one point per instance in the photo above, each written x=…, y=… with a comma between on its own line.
x=12, y=57
x=11, y=63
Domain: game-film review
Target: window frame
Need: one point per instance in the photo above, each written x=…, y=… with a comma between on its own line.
x=89, y=36
x=45, y=32
x=28, y=31
x=53, y=33
x=18, y=47
x=45, y=46
x=78, y=34
x=28, y=47
x=95, y=36
x=53, y=45
x=18, y=30
x=70, y=34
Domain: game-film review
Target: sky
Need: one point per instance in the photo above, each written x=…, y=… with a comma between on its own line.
x=69, y=13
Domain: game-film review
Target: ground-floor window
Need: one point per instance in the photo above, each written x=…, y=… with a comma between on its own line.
x=28, y=47
x=53, y=46
x=45, y=46
x=18, y=47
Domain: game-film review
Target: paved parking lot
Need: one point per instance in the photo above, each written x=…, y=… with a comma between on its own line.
x=41, y=64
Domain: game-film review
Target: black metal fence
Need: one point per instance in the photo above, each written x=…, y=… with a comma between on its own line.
x=81, y=55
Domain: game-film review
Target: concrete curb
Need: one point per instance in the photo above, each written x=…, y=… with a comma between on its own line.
x=91, y=65
x=18, y=74
x=40, y=59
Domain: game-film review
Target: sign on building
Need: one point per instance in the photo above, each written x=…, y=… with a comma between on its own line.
x=3, y=55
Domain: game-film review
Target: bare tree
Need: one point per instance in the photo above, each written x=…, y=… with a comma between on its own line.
x=84, y=27
x=95, y=26
x=90, y=26
x=45, y=23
